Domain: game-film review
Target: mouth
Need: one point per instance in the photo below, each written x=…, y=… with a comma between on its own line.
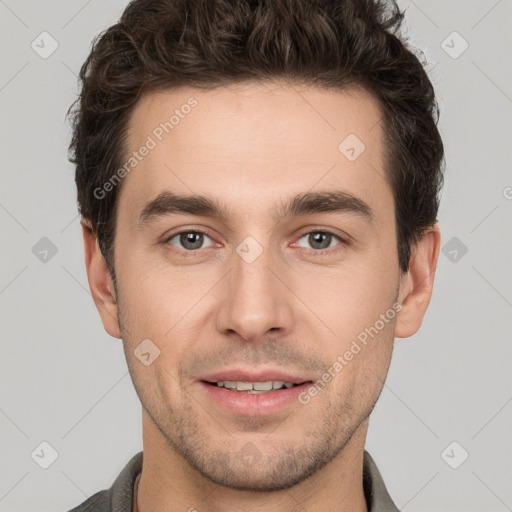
x=245, y=393
x=254, y=388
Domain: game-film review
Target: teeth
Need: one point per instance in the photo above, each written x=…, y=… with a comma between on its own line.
x=262, y=386
x=244, y=386
x=254, y=387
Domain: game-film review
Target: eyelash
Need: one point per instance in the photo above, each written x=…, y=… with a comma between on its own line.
x=186, y=254
x=194, y=252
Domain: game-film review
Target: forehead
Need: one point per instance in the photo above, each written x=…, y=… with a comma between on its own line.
x=248, y=144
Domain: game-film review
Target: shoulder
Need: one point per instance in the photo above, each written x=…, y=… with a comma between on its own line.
x=119, y=497
x=99, y=502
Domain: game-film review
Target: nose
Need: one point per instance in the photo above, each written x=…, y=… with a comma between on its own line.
x=255, y=301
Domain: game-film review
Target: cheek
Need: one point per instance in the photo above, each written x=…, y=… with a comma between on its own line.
x=361, y=366
x=360, y=309
x=165, y=305
x=348, y=300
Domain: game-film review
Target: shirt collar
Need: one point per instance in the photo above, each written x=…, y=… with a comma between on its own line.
x=376, y=494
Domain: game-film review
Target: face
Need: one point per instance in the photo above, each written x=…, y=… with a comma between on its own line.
x=248, y=285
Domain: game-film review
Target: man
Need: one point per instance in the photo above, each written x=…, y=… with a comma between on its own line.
x=258, y=184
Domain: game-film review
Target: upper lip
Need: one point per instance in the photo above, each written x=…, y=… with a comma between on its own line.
x=240, y=375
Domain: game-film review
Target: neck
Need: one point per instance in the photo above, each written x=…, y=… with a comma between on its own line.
x=168, y=482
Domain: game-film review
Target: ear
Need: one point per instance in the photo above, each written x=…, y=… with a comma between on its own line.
x=417, y=283
x=100, y=282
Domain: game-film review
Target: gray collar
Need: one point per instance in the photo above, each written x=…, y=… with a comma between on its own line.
x=376, y=494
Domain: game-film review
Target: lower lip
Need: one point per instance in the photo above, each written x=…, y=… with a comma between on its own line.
x=254, y=405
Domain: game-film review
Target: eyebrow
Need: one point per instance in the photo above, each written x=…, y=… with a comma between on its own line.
x=307, y=203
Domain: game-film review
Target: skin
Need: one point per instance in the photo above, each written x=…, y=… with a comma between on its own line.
x=250, y=146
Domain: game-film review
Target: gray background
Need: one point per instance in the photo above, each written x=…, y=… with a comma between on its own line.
x=64, y=381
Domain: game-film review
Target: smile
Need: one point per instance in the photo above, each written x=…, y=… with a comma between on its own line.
x=253, y=388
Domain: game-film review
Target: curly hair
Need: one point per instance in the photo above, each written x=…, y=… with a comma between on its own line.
x=165, y=44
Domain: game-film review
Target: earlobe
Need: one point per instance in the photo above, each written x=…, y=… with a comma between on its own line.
x=100, y=282
x=417, y=284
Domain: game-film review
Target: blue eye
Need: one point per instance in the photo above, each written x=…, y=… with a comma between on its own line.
x=320, y=240
x=189, y=240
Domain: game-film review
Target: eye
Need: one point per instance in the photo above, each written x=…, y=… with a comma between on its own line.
x=320, y=240
x=189, y=240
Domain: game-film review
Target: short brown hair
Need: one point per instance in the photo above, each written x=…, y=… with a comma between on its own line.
x=163, y=44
